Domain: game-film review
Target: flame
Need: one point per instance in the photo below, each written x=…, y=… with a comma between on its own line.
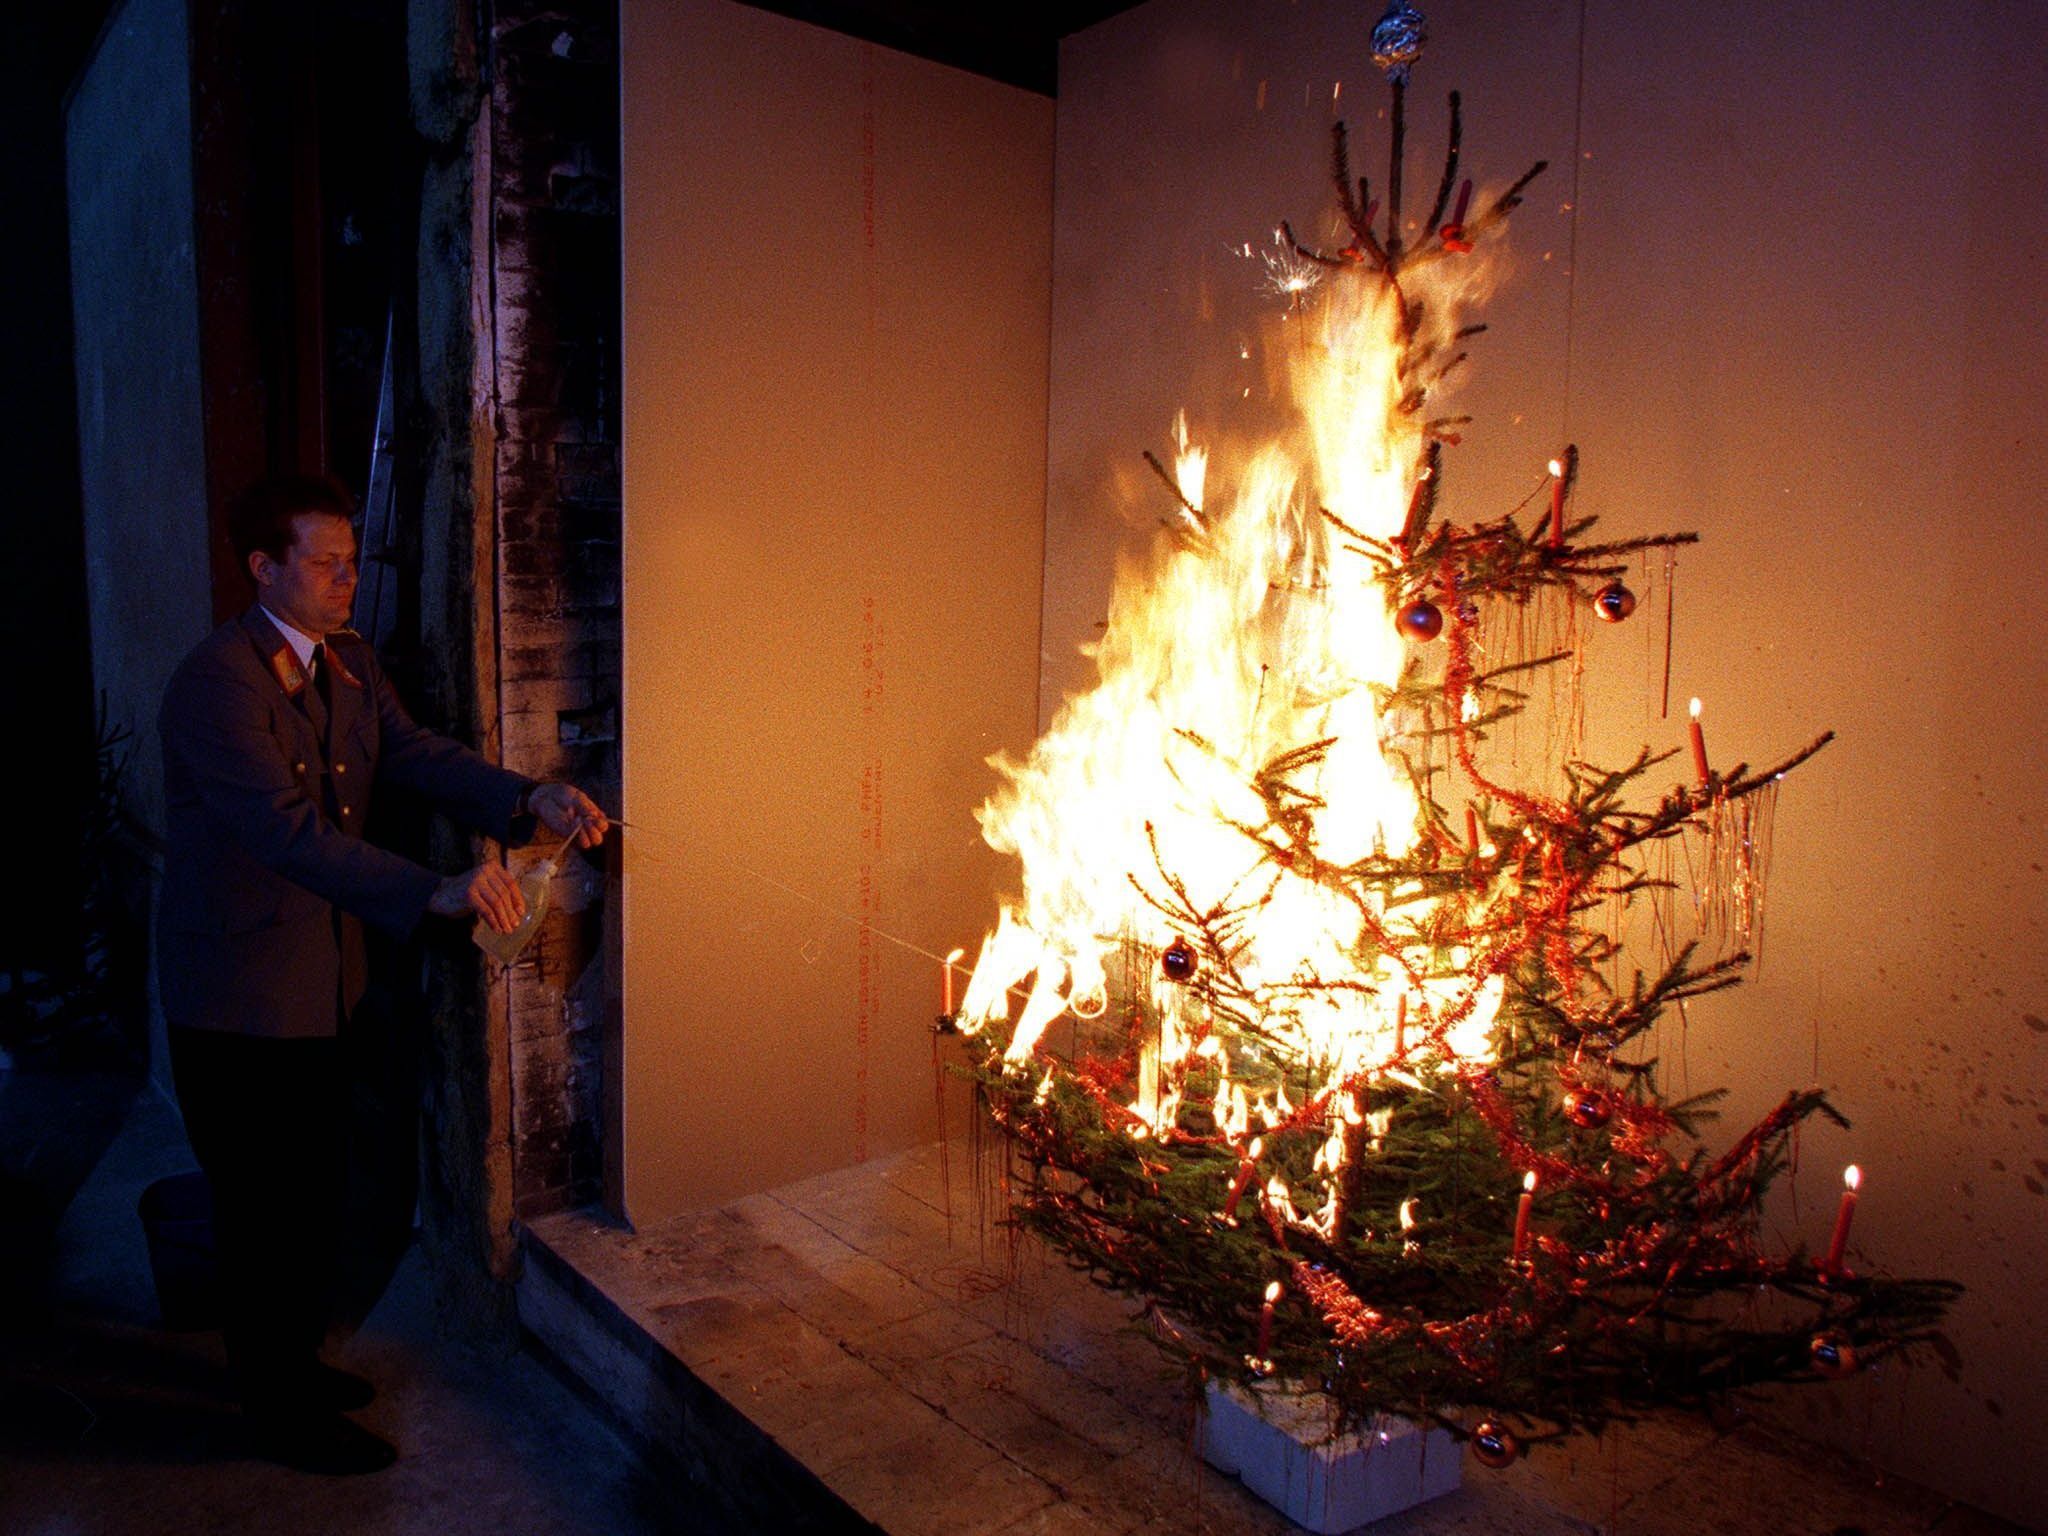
x=1190, y=462
x=1254, y=630
x=1852, y=1176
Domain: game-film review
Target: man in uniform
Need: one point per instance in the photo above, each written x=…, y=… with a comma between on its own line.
x=276, y=731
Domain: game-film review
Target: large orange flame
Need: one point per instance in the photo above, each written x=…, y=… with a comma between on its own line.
x=1253, y=630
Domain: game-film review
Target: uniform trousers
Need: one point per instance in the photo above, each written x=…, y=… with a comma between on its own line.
x=266, y=1119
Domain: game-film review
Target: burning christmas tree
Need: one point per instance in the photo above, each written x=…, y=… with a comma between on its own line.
x=1317, y=1023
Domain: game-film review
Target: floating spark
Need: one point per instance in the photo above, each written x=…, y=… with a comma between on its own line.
x=1289, y=274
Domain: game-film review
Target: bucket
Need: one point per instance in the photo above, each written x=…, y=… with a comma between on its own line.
x=177, y=1219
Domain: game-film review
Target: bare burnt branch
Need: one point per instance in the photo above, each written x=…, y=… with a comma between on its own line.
x=1310, y=253
x=1340, y=171
x=1167, y=479
x=1396, y=152
x=1443, y=190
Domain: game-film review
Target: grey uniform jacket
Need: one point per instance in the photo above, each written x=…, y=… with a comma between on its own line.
x=267, y=876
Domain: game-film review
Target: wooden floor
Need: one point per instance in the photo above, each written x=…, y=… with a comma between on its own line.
x=872, y=1341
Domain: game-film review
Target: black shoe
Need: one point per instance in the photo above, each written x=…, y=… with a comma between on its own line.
x=331, y=1387
x=321, y=1442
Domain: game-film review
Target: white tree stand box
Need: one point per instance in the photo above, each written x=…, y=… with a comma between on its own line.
x=1285, y=1449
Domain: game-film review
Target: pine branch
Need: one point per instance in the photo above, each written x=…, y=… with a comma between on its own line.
x=1422, y=503
x=1443, y=188
x=1630, y=546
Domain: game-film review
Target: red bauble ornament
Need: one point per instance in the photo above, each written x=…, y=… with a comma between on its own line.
x=1178, y=961
x=1614, y=602
x=1832, y=1354
x=1588, y=1108
x=1495, y=1445
x=1421, y=620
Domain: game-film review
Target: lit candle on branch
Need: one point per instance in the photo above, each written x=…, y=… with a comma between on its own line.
x=946, y=993
x=1699, y=745
x=1564, y=472
x=1521, y=1248
x=1472, y=833
x=1263, y=1361
x=1852, y=1177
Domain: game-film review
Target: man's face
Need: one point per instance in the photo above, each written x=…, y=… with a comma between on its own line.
x=314, y=586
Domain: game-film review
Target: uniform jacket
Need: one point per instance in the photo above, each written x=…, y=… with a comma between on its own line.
x=267, y=876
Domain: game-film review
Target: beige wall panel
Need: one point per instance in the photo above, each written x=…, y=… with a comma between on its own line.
x=1805, y=321
x=837, y=263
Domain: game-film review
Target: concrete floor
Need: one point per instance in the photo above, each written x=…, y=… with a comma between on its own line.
x=111, y=1426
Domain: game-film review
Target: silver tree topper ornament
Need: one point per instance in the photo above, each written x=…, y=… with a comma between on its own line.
x=1397, y=40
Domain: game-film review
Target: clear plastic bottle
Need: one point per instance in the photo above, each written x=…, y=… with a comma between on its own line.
x=506, y=947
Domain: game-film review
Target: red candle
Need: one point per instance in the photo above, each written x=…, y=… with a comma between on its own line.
x=1264, y=1360
x=1521, y=1249
x=1472, y=833
x=1699, y=745
x=1557, y=501
x=946, y=1010
x=1453, y=233
x=1401, y=1025
x=1852, y=1176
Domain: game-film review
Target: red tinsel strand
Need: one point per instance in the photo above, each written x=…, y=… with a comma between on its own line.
x=1492, y=960
x=1115, y=1114
x=1458, y=678
x=1773, y=1124
x=1466, y=1341
x=1560, y=953
x=1639, y=1131
x=1348, y=1318
x=1491, y=1107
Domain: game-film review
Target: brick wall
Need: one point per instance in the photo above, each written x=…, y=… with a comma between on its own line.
x=553, y=203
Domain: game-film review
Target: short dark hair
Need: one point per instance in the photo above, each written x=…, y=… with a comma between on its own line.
x=261, y=517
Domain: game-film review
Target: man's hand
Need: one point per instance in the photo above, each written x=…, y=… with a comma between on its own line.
x=564, y=809
x=489, y=891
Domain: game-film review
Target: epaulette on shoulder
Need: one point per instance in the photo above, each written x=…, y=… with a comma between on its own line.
x=345, y=633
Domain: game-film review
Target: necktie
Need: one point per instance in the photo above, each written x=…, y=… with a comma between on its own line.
x=317, y=695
